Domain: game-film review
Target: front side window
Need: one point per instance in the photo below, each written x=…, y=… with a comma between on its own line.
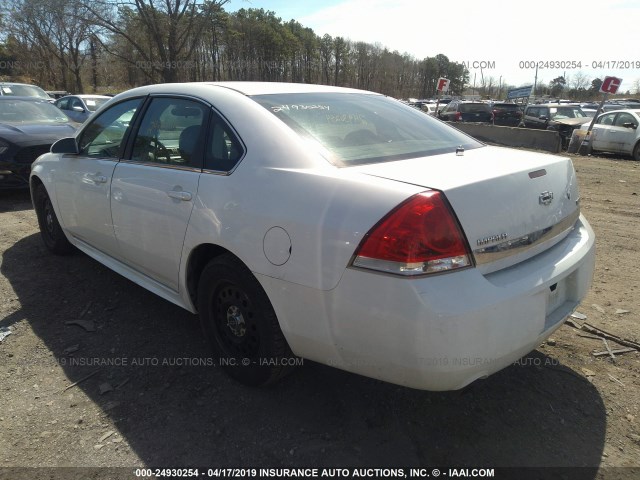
x=606, y=119
x=357, y=128
x=171, y=133
x=103, y=137
x=623, y=118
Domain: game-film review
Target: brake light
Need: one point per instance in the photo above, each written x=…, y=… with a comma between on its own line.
x=419, y=236
x=458, y=116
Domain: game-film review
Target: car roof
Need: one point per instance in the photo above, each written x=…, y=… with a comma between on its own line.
x=246, y=88
x=555, y=105
x=88, y=95
x=8, y=98
x=634, y=110
x=18, y=83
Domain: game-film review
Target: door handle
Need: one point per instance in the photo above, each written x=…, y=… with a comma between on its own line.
x=180, y=195
x=99, y=178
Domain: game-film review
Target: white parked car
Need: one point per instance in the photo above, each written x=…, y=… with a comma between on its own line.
x=617, y=132
x=332, y=224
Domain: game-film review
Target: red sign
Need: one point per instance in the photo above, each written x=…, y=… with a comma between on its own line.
x=610, y=85
x=443, y=84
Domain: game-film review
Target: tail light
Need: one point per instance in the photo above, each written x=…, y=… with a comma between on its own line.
x=458, y=116
x=419, y=236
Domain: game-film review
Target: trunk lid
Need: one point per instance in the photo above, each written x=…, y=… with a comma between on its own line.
x=511, y=204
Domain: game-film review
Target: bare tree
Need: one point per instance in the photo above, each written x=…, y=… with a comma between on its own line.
x=163, y=33
x=50, y=28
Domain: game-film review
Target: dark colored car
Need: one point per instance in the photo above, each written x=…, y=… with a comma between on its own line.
x=506, y=114
x=461, y=111
x=562, y=118
x=28, y=127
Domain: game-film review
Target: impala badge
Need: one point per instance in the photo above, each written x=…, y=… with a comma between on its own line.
x=545, y=198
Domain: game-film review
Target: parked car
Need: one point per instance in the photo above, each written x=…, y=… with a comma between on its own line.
x=28, y=127
x=429, y=108
x=617, y=132
x=465, y=111
x=506, y=113
x=23, y=90
x=328, y=223
x=81, y=107
x=563, y=118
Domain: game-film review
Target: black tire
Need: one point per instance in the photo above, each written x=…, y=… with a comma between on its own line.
x=50, y=230
x=240, y=324
x=636, y=152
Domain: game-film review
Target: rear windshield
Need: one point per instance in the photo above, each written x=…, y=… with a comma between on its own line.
x=566, y=112
x=473, y=107
x=357, y=128
x=505, y=106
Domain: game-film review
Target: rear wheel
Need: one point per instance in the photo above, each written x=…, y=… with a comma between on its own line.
x=240, y=323
x=636, y=152
x=50, y=229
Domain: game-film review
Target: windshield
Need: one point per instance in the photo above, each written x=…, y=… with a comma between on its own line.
x=566, y=112
x=25, y=111
x=24, y=91
x=355, y=128
x=94, y=103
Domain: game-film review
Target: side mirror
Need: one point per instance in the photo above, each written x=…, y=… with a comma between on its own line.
x=543, y=117
x=630, y=125
x=66, y=145
x=77, y=109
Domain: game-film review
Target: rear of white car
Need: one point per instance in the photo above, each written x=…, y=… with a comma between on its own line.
x=484, y=259
x=388, y=243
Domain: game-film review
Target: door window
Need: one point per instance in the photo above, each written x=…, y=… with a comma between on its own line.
x=103, y=137
x=224, y=150
x=623, y=118
x=606, y=119
x=171, y=133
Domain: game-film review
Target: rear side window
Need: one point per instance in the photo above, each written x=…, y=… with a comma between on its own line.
x=223, y=149
x=357, y=128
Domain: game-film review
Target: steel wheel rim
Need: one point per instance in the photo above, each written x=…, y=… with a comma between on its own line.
x=234, y=321
x=48, y=217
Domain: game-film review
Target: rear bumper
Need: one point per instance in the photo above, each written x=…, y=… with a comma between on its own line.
x=440, y=332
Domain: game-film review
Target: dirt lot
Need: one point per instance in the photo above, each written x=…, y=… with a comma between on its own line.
x=559, y=407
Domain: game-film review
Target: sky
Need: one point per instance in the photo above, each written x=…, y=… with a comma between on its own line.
x=494, y=38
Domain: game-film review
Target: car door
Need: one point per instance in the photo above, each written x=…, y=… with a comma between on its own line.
x=601, y=133
x=77, y=110
x=154, y=188
x=531, y=116
x=623, y=132
x=83, y=181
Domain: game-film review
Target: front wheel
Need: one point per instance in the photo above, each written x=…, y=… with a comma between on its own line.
x=240, y=323
x=50, y=229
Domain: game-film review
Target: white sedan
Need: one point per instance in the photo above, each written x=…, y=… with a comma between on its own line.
x=326, y=223
x=616, y=132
